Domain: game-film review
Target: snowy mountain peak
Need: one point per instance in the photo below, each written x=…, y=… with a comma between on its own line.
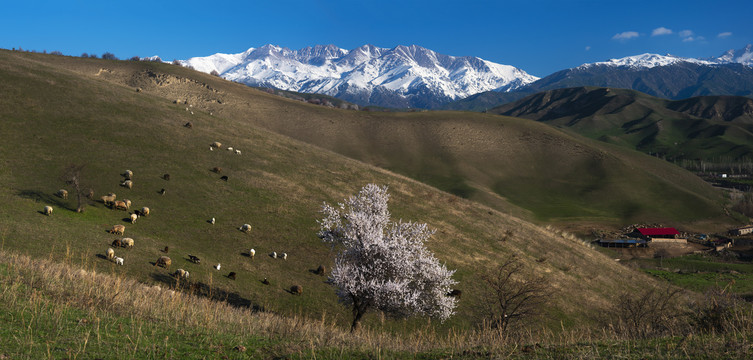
x=404, y=76
x=743, y=56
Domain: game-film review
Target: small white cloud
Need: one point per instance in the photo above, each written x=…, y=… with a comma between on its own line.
x=724, y=35
x=588, y=48
x=661, y=31
x=625, y=35
x=685, y=33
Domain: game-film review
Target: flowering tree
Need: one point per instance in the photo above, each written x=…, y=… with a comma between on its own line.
x=384, y=265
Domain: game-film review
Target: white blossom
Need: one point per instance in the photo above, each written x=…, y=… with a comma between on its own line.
x=382, y=264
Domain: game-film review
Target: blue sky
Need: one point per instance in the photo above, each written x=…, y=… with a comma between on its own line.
x=538, y=36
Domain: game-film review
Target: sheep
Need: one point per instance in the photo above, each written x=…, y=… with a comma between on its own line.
x=144, y=211
x=273, y=255
x=128, y=174
x=110, y=254
x=224, y=178
x=162, y=192
x=48, y=210
x=284, y=256
x=265, y=281
x=217, y=169
x=231, y=276
x=194, y=259
x=181, y=274
x=166, y=177
x=127, y=202
x=120, y=205
x=119, y=260
x=455, y=293
x=237, y=151
x=163, y=261
x=321, y=270
x=230, y=149
x=166, y=249
x=117, y=243
x=90, y=194
x=126, y=242
x=217, y=267
x=296, y=290
x=251, y=253
x=188, y=125
x=133, y=218
x=245, y=228
x=211, y=221
x=117, y=229
x=62, y=193
x=108, y=199
x=216, y=144
x=127, y=184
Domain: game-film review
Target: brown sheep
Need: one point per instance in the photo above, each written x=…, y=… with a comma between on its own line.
x=296, y=290
x=321, y=270
x=90, y=194
x=117, y=229
x=62, y=193
x=120, y=205
x=117, y=243
x=216, y=144
x=217, y=169
x=455, y=293
x=163, y=261
x=231, y=276
x=166, y=177
x=128, y=174
x=188, y=125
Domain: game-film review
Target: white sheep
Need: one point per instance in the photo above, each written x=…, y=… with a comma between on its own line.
x=211, y=221
x=252, y=252
x=110, y=254
x=216, y=144
x=230, y=148
x=145, y=211
x=133, y=218
x=119, y=260
x=273, y=255
x=128, y=174
x=181, y=274
x=62, y=193
x=48, y=210
x=237, y=151
x=127, y=184
x=245, y=228
x=284, y=256
x=217, y=267
x=126, y=242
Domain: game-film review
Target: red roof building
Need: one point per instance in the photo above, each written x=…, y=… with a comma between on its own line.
x=657, y=232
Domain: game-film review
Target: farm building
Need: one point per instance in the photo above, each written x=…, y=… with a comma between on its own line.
x=660, y=235
x=745, y=230
x=622, y=243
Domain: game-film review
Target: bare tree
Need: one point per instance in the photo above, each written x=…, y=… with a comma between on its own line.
x=72, y=176
x=513, y=293
x=647, y=313
x=384, y=265
x=109, y=56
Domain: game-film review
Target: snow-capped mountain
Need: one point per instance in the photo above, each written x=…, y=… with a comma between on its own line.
x=404, y=76
x=647, y=61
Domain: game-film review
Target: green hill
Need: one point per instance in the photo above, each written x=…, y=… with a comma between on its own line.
x=708, y=127
x=118, y=115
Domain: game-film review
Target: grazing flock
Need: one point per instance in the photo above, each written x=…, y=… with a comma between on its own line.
x=110, y=200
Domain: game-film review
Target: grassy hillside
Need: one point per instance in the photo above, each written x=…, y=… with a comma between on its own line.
x=514, y=166
x=708, y=127
x=59, y=111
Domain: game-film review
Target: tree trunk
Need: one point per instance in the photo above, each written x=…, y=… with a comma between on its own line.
x=358, y=310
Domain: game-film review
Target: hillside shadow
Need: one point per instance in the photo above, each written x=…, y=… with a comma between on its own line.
x=49, y=199
x=204, y=290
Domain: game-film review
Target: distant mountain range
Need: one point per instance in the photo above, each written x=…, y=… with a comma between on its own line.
x=401, y=77
x=663, y=76
x=704, y=127
x=416, y=77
